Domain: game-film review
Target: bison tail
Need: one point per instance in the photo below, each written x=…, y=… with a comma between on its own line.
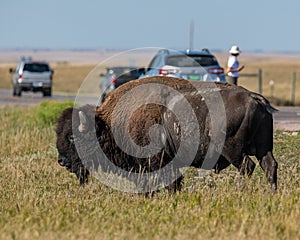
x=264, y=102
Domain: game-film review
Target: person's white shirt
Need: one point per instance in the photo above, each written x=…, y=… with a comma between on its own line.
x=234, y=64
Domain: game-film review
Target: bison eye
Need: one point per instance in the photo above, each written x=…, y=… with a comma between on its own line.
x=71, y=138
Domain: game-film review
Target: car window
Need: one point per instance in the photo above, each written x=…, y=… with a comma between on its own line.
x=191, y=61
x=18, y=68
x=155, y=62
x=120, y=71
x=36, y=67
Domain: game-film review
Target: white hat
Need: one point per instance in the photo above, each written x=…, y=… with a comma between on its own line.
x=235, y=50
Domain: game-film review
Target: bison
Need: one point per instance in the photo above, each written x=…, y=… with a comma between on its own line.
x=160, y=124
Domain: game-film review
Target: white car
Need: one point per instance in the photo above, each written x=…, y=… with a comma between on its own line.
x=32, y=76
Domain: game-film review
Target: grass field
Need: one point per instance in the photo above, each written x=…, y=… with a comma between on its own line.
x=41, y=200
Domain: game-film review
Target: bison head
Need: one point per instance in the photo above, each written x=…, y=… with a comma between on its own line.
x=72, y=126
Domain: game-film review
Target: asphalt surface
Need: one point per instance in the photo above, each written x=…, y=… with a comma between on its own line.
x=31, y=99
x=287, y=118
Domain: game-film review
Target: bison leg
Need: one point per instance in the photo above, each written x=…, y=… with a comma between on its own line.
x=269, y=165
x=82, y=174
x=241, y=161
x=247, y=167
x=167, y=175
x=176, y=185
x=172, y=188
x=221, y=164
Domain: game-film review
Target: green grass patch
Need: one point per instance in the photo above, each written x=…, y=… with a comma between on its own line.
x=41, y=200
x=48, y=111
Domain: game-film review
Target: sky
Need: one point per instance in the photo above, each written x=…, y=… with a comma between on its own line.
x=256, y=25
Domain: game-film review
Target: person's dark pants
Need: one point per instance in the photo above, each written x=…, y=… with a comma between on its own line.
x=232, y=80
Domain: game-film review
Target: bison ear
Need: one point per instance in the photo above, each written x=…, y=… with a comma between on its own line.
x=83, y=126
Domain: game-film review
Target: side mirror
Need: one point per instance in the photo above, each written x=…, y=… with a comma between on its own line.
x=11, y=70
x=101, y=74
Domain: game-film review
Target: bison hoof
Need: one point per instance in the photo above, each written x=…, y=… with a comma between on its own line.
x=273, y=187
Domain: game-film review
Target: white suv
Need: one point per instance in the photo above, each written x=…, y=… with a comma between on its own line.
x=32, y=76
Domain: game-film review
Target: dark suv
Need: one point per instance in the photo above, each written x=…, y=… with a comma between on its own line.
x=190, y=64
x=117, y=76
x=32, y=76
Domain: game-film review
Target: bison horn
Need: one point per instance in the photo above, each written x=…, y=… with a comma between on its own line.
x=83, y=126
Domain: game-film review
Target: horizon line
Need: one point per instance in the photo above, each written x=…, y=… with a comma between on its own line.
x=87, y=49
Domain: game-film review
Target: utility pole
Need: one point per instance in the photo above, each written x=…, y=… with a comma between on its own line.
x=191, y=46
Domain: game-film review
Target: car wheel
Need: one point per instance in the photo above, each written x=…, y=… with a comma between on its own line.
x=47, y=92
x=17, y=91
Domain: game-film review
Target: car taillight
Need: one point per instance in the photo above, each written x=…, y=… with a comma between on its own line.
x=163, y=71
x=113, y=80
x=20, y=76
x=51, y=77
x=217, y=71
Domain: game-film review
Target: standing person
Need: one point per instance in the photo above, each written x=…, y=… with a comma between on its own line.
x=233, y=67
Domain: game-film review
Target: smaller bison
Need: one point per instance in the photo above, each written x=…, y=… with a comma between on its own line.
x=141, y=130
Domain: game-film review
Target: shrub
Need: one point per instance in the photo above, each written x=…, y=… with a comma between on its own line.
x=48, y=112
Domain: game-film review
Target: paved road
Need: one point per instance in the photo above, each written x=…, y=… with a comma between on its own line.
x=287, y=118
x=31, y=99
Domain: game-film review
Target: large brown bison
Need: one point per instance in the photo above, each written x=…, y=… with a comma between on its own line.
x=155, y=126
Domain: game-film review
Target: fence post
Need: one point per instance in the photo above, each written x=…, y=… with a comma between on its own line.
x=293, y=90
x=259, y=73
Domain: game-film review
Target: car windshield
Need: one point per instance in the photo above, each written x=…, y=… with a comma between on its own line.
x=191, y=61
x=36, y=67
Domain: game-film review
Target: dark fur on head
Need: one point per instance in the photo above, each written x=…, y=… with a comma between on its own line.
x=66, y=137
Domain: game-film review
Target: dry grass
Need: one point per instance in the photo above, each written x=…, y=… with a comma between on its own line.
x=68, y=78
x=41, y=200
x=280, y=73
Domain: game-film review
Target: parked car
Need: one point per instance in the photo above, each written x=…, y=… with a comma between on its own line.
x=190, y=64
x=117, y=76
x=35, y=76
